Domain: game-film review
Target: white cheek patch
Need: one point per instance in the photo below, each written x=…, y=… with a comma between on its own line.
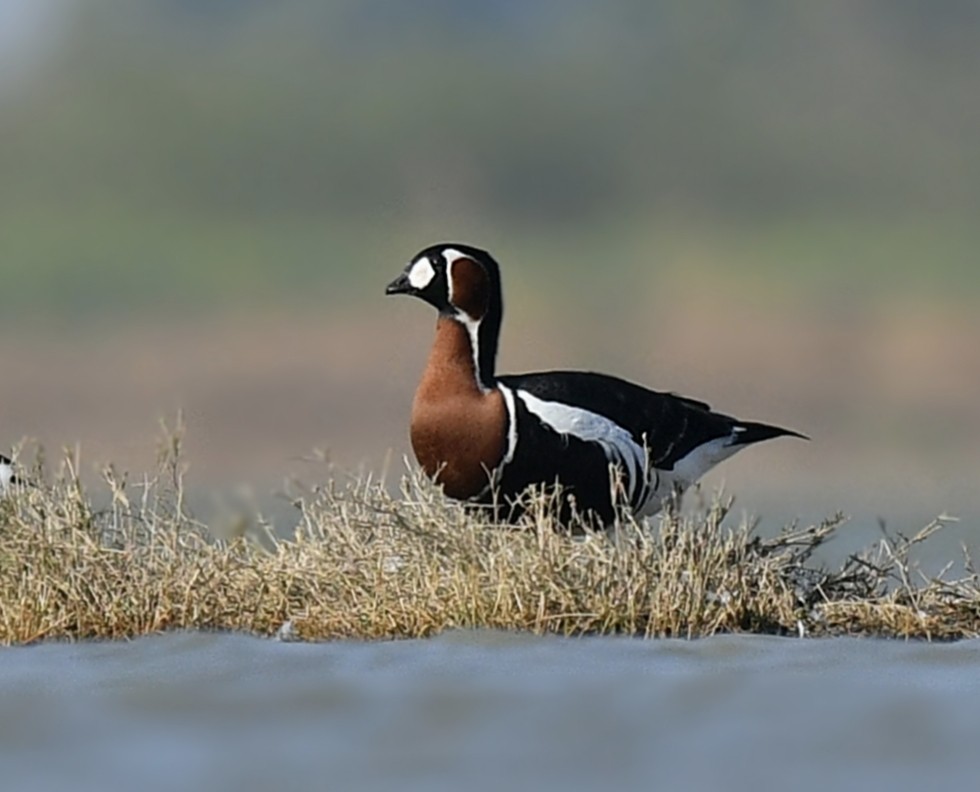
x=421, y=273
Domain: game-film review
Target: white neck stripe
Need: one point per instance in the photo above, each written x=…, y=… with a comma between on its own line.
x=508, y=395
x=473, y=328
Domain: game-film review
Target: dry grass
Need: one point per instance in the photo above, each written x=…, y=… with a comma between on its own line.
x=364, y=564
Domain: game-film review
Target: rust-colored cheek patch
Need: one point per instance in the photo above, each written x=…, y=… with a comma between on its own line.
x=471, y=287
x=459, y=431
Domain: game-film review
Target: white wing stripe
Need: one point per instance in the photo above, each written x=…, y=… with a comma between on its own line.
x=618, y=444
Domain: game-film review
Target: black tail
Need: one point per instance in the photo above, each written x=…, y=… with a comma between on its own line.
x=747, y=432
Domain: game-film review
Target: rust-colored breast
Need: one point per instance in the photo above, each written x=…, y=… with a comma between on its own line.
x=459, y=432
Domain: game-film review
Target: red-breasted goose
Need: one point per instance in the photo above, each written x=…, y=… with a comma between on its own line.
x=486, y=438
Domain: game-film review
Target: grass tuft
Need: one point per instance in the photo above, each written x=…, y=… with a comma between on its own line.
x=363, y=563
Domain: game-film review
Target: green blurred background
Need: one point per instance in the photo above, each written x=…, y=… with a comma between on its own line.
x=772, y=206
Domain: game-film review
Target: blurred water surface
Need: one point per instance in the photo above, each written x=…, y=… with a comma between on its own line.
x=486, y=710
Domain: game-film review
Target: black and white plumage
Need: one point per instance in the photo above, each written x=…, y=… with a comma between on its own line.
x=606, y=441
x=7, y=477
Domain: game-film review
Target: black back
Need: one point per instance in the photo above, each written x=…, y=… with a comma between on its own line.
x=671, y=426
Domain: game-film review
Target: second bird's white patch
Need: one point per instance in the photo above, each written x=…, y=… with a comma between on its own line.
x=6, y=475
